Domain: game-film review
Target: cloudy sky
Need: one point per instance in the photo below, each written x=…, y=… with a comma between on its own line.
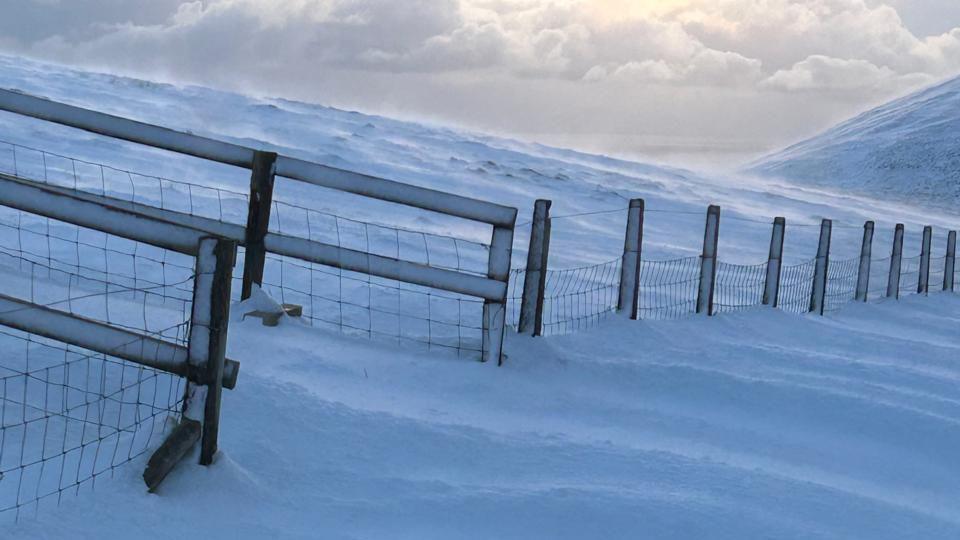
x=697, y=80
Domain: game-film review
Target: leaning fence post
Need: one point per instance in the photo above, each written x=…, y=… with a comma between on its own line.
x=258, y=219
x=630, y=267
x=896, y=260
x=771, y=290
x=866, y=259
x=535, y=278
x=923, y=282
x=208, y=338
x=951, y=265
x=495, y=312
x=819, y=294
x=708, y=261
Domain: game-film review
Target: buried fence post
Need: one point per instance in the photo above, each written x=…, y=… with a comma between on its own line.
x=866, y=257
x=923, y=282
x=708, y=261
x=771, y=289
x=819, y=294
x=535, y=278
x=258, y=219
x=208, y=338
x=951, y=265
x=495, y=312
x=896, y=259
x=630, y=267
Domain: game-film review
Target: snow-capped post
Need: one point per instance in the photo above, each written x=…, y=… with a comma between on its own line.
x=258, y=219
x=866, y=256
x=208, y=338
x=630, y=267
x=896, y=259
x=495, y=312
x=923, y=282
x=819, y=294
x=535, y=279
x=951, y=263
x=708, y=261
x=771, y=289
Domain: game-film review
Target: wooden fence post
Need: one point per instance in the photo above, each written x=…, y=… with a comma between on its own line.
x=708, y=261
x=819, y=294
x=632, y=255
x=208, y=338
x=771, y=289
x=495, y=312
x=866, y=259
x=923, y=282
x=896, y=260
x=258, y=219
x=535, y=278
x=951, y=264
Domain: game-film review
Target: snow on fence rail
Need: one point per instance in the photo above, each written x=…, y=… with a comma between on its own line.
x=257, y=239
x=109, y=332
x=673, y=289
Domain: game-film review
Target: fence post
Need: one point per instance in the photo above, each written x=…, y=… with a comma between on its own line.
x=896, y=259
x=258, y=219
x=771, y=290
x=495, y=313
x=951, y=264
x=923, y=282
x=866, y=259
x=630, y=267
x=208, y=338
x=535, y=279
x=708, y=261
x=819, y=294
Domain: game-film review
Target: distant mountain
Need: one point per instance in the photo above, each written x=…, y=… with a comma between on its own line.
x=908, y=149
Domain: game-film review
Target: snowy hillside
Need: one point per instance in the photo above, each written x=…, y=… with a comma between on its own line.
x=761, y=424
x=907, y=150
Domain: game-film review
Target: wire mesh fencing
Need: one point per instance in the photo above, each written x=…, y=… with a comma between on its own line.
x=69, y=416
x=879, y=276
x=668, y=289
x=937, y=273
x=739, y=287
x=842, y=278
x=909, y=275
x=796, y=287
x=580, y=298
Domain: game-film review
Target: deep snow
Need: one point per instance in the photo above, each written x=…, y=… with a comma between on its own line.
x=761, y=424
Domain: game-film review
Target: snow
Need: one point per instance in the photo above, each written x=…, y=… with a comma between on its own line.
x=761, y=424
x=906, y=151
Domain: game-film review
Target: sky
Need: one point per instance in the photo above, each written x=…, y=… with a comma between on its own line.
x=699, y=82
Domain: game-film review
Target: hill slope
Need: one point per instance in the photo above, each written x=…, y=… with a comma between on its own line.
x=906, y=150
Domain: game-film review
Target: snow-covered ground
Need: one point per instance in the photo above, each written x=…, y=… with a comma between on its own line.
x=760, y=424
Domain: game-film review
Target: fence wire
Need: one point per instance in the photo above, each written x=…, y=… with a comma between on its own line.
x=796, y=287
x=68, y=415
x=579, y=298
x=938, y=267
x=909, y=275
x=879, y=276
x=841, y=283
x=739, y=287
x=668, y=289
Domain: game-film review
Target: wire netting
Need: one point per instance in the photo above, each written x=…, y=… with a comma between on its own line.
x=796, y=287
x=579, y=298
x=739, y=287
x=937, y=273
x=909, y=275
x=68, y=415
x=668, y=289
x=879, y=276
x=841, y=283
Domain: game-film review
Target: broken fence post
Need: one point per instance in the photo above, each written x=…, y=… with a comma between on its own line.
x=708, y=261
x=818, y=295
x=208, y=338
x=535, y=277
x=866, y=259
x=258, y=219
x=771, y=290
x=950, y=268
x=630, y=267
x=923, y=282
x=896, y=260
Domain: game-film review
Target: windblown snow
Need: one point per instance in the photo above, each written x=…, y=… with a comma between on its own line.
x=754, y=425
x=907, y=150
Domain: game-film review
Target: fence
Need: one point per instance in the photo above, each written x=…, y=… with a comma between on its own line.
x=682, y=287
x=454, y=288
x=114, y=324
